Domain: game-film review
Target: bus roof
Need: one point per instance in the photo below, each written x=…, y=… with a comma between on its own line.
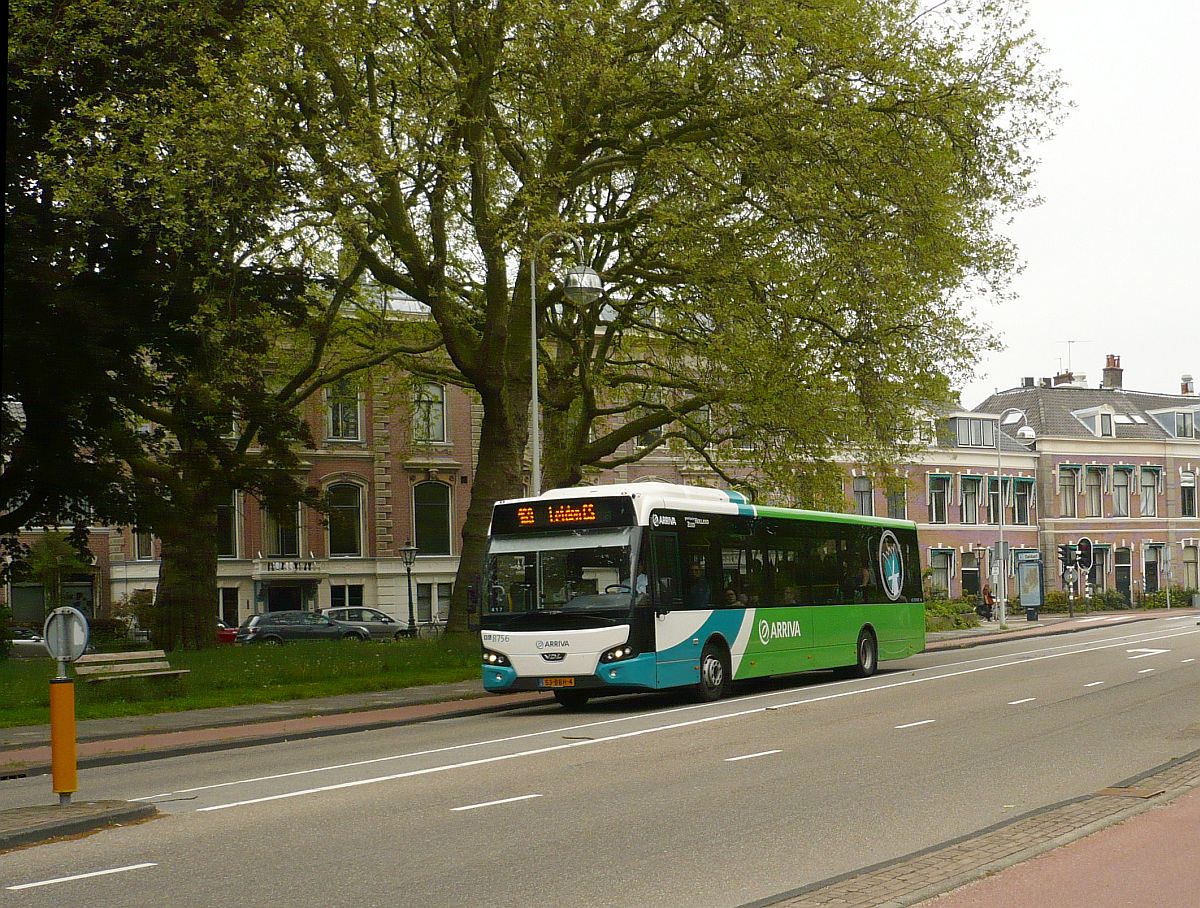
x=650, y=496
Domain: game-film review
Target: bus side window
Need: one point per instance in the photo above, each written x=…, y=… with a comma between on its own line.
x=664, y=548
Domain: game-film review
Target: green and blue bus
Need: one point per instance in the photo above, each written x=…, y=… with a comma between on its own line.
x=646, y=586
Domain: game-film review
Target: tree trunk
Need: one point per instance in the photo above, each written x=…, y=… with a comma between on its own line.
x=497, y=476
x=187, y=582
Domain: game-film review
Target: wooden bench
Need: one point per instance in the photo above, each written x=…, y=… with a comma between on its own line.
x=109, y=666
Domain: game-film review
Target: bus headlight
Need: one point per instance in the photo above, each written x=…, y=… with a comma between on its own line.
x=617, y=653
x=491, y=657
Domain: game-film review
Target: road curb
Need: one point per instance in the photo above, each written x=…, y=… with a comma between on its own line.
x=162, y=753
x=22, y=826
x=906, y=881
x=1018, y=634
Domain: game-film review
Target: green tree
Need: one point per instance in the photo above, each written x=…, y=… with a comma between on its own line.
x=166, y=310
x=789, y=203
x=52, y=558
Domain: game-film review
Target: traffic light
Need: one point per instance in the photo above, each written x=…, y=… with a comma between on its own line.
x=1066, y=554
x=1083, y=553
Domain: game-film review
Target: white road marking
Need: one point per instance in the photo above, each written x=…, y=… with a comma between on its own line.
x=761, y=753
x=494, y=803
x=1144, y=670
x=1020, y=658
x=1178, y=618
x=1186, y=661
x=80, y=876
x=1145, y=651
x=1019, y=702
x=915, y=724
x=1093, y=684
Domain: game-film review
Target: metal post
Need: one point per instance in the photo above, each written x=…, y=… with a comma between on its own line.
x=1000, y=518
x=412, y=622
x=535, y=476
x=582, y=285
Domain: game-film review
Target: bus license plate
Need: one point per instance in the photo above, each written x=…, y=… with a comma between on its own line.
x=558, y=682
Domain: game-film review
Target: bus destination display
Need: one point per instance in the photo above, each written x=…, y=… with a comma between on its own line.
x=562, y=514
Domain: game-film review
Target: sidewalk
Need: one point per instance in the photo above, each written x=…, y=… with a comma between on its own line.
x=25, y=750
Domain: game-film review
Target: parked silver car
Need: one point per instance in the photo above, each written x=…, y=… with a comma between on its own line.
x=372, y=620
x=27, y=643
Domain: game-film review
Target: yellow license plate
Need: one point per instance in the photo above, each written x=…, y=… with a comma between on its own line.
x=558, y=682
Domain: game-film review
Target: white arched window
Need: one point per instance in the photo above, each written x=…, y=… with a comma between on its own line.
x=431, y=518
x=344, y=500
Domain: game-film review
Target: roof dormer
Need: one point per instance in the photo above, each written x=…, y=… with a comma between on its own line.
x=1101, y=421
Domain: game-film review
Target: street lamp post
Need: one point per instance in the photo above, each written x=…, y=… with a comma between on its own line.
x=582, y=285
x=1026, y=432
x=409, y=553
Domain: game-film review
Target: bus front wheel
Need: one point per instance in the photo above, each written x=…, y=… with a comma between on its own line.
x=714, y=673
x=868, y=655
x=571, y=699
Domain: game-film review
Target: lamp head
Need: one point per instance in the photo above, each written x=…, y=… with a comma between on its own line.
x=408, y=553
x=582, y=284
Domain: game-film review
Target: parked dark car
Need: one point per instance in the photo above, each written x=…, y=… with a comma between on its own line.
x=280, y=627
x=379, y=625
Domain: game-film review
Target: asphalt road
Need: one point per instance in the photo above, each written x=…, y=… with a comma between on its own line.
x=638, y=801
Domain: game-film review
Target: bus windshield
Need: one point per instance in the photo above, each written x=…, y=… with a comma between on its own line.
x=586, y=571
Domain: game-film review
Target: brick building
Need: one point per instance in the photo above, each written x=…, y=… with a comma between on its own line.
x=1115, y=465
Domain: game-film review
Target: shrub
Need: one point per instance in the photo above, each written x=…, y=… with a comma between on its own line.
x=950, y=614
x=5, y=631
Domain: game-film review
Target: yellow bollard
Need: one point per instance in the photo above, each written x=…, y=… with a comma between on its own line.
x=63, y=768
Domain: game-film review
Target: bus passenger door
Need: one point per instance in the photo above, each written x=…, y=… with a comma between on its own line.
x=674, y=631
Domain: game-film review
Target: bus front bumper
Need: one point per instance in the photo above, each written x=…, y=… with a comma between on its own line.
x=638, y=673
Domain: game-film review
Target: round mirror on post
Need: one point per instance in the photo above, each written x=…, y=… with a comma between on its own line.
x=66, y=635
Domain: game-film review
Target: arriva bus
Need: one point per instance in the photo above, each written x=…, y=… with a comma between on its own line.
x=651, y=585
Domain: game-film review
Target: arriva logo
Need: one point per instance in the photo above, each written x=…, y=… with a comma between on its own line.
x=891, y=565
x=778, y=630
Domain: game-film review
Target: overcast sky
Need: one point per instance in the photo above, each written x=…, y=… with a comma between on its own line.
x=1113, y=253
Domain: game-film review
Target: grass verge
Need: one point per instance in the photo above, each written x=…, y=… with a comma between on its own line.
x=241, y=675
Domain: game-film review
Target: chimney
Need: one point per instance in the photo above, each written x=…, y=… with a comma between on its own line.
x=1186, y=386
x=1063, y=378
x=1027, y=382
x=1112, y=372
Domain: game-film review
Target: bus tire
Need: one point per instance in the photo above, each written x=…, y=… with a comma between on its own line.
x=714, y=672
x=571, y=699
x=867, y=654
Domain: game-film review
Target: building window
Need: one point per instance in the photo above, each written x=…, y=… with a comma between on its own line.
x=1149, y=493
x=897, y=504
x=993, y=503
x=1106, y=425
x=227, y=528
x=864, y=496
x=1150, y=568
x=1191, y=580
x=342, y=595
x=283, y=534
x=939, y=581
x=1021, y=495
x=1120, y=498
x=1099, y=571
x=345, y=520
x=939, y=492
x=970, y=574
x=342, y=412
x=1093, y=489
x=970, y=499
x=1187, y=494
x=1067, y=490
x=429, y=413
x=143, y=546
x=1184, y=423
x=431, y=518
x=976, y=433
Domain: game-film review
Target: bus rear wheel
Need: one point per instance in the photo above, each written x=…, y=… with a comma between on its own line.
x=868, y=655
x=714, y=673
x=571, y=699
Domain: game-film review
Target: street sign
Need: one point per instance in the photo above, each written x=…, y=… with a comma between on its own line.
x=65, y=634
x=1029, y=556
